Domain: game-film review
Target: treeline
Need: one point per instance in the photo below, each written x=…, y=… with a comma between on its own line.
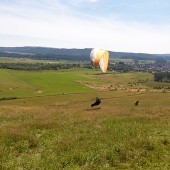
x=121, y=67
x=42, y=66
x=46, y=50
x=162, y=76
x=46, y=56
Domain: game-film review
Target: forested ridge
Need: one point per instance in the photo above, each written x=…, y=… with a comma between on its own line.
x=69, y=54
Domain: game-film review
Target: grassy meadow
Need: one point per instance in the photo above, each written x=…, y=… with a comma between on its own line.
x=51, y=125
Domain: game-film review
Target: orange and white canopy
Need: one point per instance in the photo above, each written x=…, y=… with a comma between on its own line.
x=100, y=58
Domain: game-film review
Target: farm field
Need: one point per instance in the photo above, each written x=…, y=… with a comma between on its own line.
x=51, y=125
x=32, y=61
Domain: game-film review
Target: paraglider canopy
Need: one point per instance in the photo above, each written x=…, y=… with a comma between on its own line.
x=100, y=58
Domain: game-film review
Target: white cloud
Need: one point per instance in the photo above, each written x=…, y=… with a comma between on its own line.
x=81, y=1
x=58, y=26
x=92, y=0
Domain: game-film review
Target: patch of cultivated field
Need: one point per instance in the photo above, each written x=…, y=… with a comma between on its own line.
x=57, y=129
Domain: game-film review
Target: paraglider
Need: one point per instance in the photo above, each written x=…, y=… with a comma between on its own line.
x=136, y=103
x=100, y=58
x=96, y=103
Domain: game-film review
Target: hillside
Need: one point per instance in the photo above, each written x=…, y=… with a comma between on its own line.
x=47, y=121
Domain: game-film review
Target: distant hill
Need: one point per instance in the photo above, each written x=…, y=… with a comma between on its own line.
x=69, y=54
x=45, y=50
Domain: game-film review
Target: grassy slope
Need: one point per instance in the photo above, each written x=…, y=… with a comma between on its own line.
x=63, y=132
x=24, y=83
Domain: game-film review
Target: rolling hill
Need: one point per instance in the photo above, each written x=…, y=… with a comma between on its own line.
x=69, y=54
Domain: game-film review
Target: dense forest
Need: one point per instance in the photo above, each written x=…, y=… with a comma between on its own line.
x=46, y=56
x=162, y=76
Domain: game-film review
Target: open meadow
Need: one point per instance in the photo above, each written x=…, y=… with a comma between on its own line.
x=46, y=121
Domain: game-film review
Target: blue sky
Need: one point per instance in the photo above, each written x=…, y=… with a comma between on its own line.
x=117, y=25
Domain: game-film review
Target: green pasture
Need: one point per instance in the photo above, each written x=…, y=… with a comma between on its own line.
x=25, y=83
x=32, y=61
x=52, y=125
x=25, y=60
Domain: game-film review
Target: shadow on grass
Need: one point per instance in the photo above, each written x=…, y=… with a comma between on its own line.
x=90, y=109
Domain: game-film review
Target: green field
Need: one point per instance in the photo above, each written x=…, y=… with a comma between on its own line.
x=25, y=60
x=25, y=84
x=51, y=124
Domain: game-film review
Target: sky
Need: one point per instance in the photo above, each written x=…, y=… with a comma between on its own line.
x=117, y=25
